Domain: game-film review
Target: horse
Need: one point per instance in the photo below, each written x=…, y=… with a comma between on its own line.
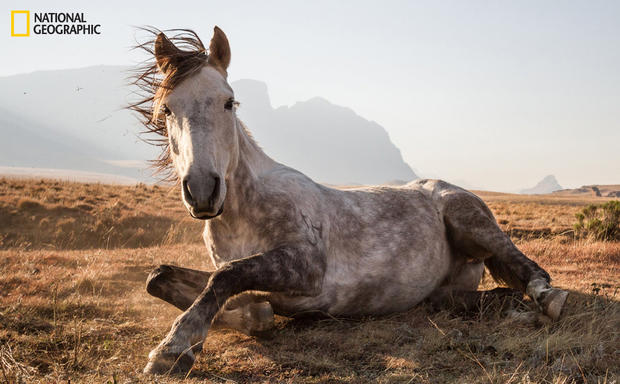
x=284, y=244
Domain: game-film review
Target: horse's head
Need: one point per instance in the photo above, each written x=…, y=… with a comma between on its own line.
x=199, y=114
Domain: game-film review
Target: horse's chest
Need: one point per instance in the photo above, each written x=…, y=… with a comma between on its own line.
x=233, y=244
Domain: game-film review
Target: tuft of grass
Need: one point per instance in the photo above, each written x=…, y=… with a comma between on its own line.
x=599, y=222
x=12, y=370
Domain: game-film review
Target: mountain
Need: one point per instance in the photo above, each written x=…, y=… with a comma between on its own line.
x=74, y=120
x=329, y=143
x=547, y=185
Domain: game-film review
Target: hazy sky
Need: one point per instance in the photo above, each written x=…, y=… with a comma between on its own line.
x=496, y=94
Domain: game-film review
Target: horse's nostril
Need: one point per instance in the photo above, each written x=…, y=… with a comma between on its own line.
x=216, y=189
x=202, y=193
x=188, y=196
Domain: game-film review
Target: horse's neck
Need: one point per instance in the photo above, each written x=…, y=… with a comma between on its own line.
x=251, y=163
x=232, y=235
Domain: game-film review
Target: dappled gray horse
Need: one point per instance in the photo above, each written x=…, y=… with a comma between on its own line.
x=284, y=244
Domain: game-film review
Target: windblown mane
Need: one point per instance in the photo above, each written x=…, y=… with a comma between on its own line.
x=153, y=86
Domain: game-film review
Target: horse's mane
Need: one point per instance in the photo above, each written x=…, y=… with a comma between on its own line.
x=153, y=86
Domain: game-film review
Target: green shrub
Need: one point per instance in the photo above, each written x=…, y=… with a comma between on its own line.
x=599, y=222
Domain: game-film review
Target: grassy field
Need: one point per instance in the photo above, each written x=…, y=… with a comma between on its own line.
x=74, y=259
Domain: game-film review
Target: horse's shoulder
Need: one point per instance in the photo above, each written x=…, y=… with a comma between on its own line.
x=287, y=196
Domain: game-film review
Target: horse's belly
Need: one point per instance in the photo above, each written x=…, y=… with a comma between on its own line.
x=375, y=284
x=393, y=288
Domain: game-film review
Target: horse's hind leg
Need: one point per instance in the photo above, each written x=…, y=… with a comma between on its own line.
x=459, y=302
x=473, y=231
x=459, y=292
x=249, y=313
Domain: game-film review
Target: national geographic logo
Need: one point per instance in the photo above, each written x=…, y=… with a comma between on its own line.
x=52, y=23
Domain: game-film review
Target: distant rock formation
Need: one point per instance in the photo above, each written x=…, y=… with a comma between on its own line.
x=547, y=185
x=330, y=143
x=592, y=190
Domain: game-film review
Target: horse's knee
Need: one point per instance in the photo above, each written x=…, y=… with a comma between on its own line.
x=157, y=279
x=176, y=285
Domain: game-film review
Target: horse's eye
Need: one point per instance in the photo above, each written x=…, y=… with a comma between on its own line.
x=229, y=104
x=166, y=110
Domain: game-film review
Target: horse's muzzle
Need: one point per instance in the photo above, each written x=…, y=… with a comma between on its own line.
x=202, y=196
x=205, y=216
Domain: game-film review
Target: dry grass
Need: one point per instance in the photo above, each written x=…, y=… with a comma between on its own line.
x=45, y=214
x=536, y=216
x=83, y=315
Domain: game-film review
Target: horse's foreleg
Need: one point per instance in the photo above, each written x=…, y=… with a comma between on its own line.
x=474, y=231
x=291, y=270
x=248, y=313
x=176, y=285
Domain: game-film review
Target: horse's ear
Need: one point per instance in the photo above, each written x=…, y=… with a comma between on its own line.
x=166, y=53
x=219, y=50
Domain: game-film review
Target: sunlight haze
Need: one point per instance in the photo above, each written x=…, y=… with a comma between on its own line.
x=488, y=95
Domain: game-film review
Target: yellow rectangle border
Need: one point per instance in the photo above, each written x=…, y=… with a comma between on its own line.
x=27, y=23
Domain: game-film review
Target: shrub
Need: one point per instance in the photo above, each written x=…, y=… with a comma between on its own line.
x=599, y=222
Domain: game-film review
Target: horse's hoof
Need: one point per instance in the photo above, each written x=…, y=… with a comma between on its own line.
x=532, y=318
x=553, y=303
x=260, y=319
x=164, y=363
